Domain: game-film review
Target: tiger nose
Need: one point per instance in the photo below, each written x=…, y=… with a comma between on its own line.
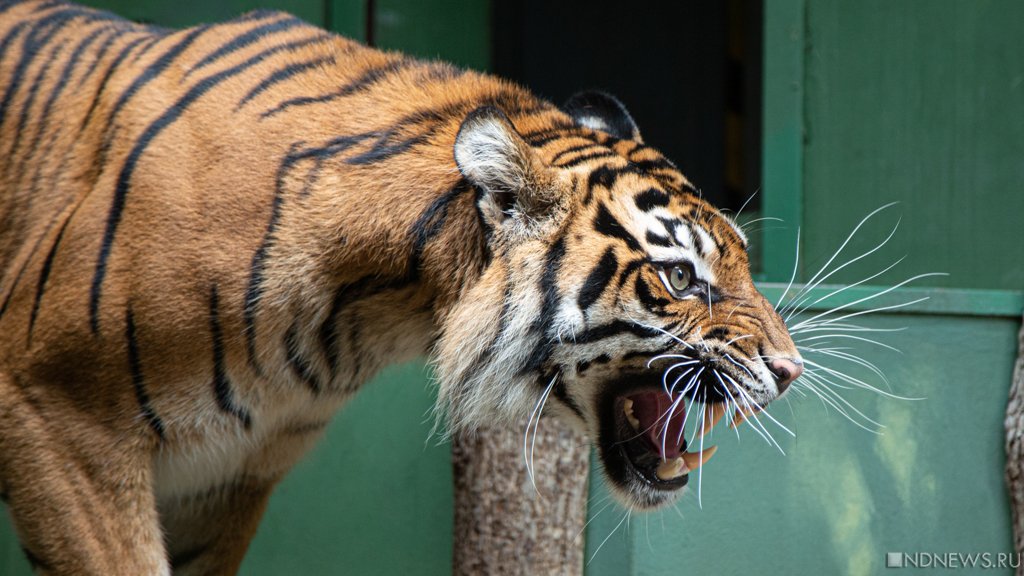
x=786, y=371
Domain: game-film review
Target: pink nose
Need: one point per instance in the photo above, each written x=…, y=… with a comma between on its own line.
x=786, y=371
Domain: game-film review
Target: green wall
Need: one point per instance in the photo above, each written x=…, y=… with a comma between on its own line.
x=920, y=102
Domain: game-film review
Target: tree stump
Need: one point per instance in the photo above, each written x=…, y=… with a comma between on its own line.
x=1015, y=450
x=505, y=526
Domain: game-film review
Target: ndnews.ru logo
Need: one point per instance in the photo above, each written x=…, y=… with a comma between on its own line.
x=952, y=560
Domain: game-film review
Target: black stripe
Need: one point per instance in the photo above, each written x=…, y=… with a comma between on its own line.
x=328, y=332
x=718, y=333
x=44, y=275
x=6, y=5
x=138, y=382
x=221, y=384
x=615, y=328
x=345, y=295
x=598, y=279
x=247, y=38
x=429, y=224
x=254, y=289
x=549, y=292
x=559, y=129
x=587, y=157
x=106, y=78
x=606, y=224
x=154, y=70
x=150, y=43
x=101, y=52
x=650, y=199
x=365, y=81
x=698, y=243
x=658, y=239
x=58, y=89
x=17, y=277
x=300, y=365
x=653, y=165
x=282, y=75
x=43, y=30
x=628, y=270
x=124, y=180
x=572, y=150
x=562, y=394
x=26, y=107
x=649, y=300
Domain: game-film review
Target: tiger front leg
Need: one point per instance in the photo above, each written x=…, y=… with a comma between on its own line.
x=79, y=493
x=209, y=532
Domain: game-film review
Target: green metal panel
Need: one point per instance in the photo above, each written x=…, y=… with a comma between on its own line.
x=456, y=31
x=189, y=12
x=919, y=101
x=375, y=497
x=842, y=497
x=782, y=168
x=347, y=17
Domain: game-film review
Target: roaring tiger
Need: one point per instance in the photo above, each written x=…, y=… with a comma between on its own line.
x=211, y=238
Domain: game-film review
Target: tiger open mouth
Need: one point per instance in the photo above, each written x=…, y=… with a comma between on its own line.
x=645, y=441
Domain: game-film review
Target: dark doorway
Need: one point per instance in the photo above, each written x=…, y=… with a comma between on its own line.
x=689, y=72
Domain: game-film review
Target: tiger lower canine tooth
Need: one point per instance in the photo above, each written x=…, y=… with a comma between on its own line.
x=627, y=407
x=672, y=469
x=696, y=460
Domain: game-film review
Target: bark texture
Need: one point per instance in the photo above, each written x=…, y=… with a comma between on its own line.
x=505, y=526
x=1015, y=450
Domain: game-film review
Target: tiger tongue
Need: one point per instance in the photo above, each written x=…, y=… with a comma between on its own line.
x=650, y=409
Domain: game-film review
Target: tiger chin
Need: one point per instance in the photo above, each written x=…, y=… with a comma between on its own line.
x=213, y=237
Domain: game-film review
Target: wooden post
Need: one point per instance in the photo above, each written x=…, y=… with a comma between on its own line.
x=505, y=526
x=1015, y=450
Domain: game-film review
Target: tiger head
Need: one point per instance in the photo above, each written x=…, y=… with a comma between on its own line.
x=614, y=296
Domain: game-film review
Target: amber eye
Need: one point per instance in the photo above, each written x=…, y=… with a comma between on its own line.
x=676, y=279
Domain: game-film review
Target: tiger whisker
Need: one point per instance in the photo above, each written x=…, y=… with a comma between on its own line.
x=700, y=471
x=608, y=537
x=739, y=338
x=753, y=407
x=810, y=286
x=872, y=296
x=535, y=415
x=820, y=389
x=850, y=337
x=829, y=385
x=854, y=360
x=742, y=406
x=799, y=307
x=607, y=501
x=818, y=327
x=792, y=277
x=856, y=381
x=838, y=251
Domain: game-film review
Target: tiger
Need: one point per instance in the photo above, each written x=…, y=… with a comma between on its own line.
x=211, y=238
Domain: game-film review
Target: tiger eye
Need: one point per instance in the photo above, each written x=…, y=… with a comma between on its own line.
x=679, y=278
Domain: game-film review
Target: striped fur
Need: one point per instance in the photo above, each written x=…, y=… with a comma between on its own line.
x=211, y=238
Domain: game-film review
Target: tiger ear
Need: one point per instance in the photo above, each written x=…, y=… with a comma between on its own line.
x=492, y=155
x=602, y=111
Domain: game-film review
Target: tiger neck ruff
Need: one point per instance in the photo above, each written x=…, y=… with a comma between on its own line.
x=211, y=238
